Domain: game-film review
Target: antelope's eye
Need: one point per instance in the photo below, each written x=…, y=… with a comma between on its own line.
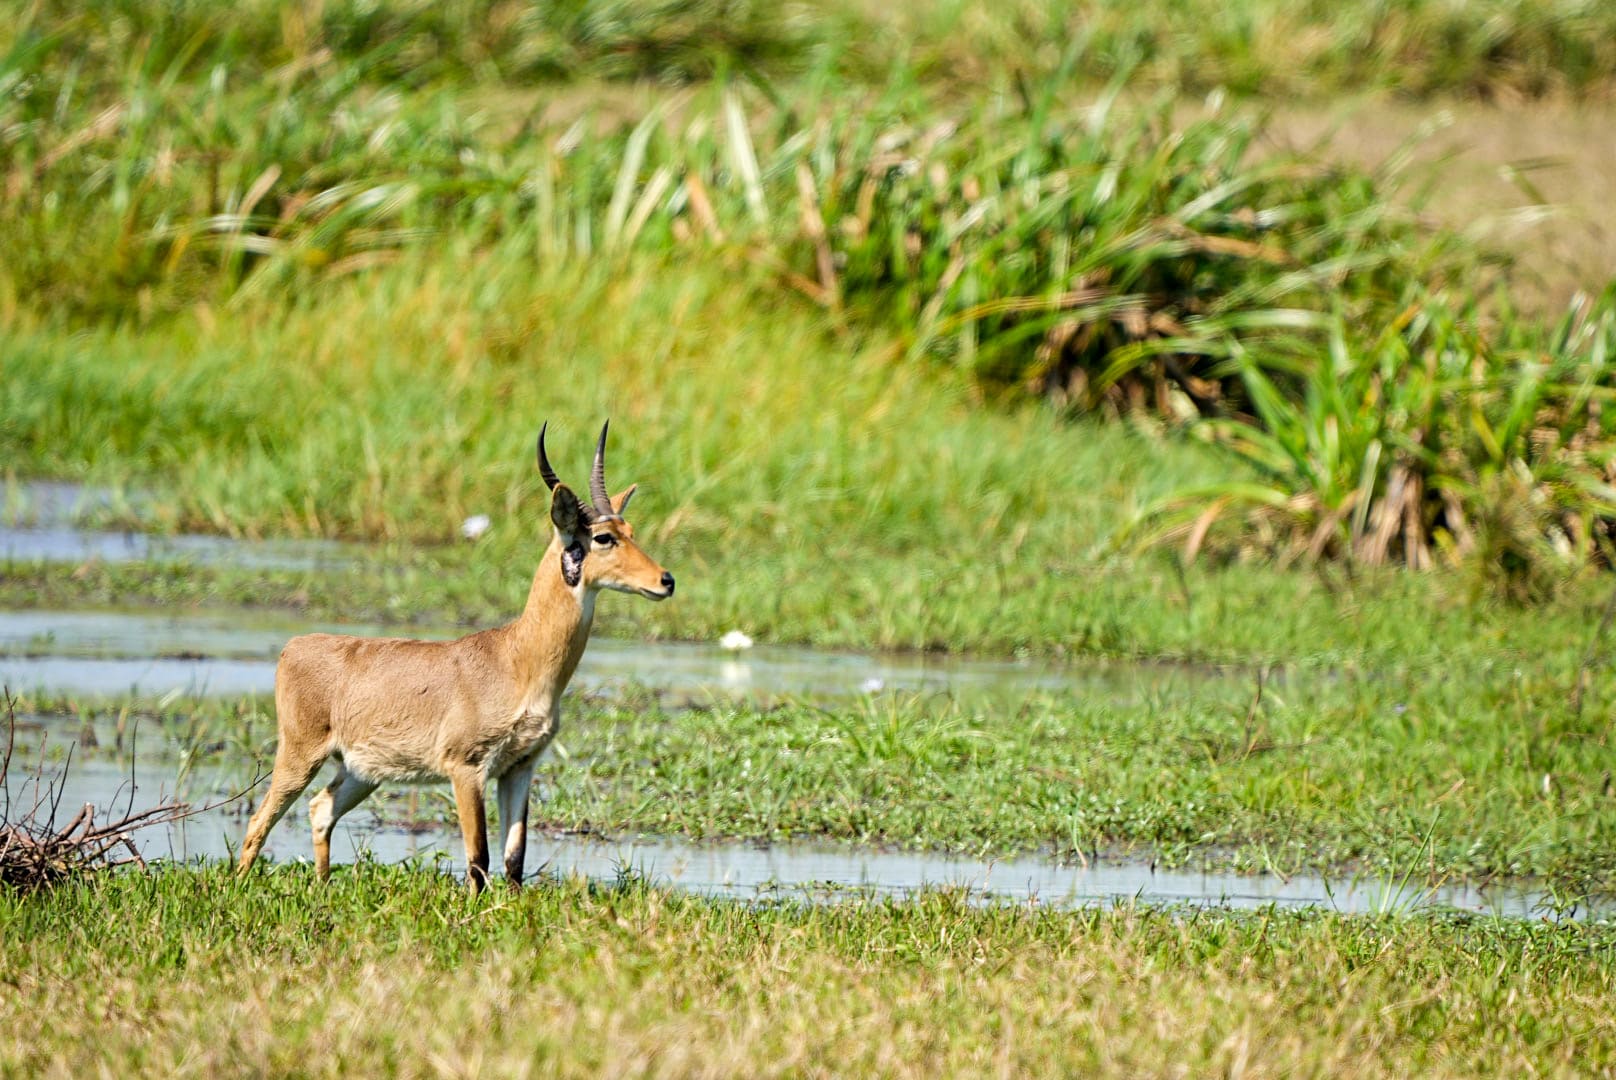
x=605, y=539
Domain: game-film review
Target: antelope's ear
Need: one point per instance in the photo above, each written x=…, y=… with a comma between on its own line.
x=621, y=499
x=567, y=513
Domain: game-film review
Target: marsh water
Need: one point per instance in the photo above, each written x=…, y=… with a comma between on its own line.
x=89, y=655
x=225, y=653
x=42, y=522
x=414, y=824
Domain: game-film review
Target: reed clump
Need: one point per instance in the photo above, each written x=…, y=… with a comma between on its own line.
x=1099, y=255
x=1435, y=440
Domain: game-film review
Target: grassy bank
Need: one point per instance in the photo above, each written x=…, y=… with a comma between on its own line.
x=188, y=970
x=1147, y=610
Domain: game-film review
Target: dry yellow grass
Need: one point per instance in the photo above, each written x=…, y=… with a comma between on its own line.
x=392, y=971
x=1531, y=179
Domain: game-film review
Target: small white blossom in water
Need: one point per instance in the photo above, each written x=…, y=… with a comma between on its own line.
x=735, y=641
x=873, y=685
x=474, y=526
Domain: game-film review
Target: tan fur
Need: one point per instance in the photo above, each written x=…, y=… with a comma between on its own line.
x=478, y=708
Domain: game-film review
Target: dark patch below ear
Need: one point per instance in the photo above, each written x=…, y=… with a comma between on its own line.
x=572, y=564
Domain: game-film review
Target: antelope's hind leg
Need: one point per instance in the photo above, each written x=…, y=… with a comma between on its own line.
x=291, y=775
x=345, y=792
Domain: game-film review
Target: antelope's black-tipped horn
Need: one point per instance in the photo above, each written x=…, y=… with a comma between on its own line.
x=597, y=478
x=550, y=478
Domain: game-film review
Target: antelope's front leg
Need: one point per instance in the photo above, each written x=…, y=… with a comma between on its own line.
x=513, y=797
x=468, y=793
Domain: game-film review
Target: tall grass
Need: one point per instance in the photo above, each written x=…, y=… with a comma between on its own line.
x=1022, y=239
x=397, y=404
x=1106, y=256
x=1431, y=440
x=801, y=485
x=416, y=43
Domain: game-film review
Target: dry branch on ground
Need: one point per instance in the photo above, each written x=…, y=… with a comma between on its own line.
x=35, y=853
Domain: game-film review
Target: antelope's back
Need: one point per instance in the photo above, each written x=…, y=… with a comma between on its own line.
x=368, y=689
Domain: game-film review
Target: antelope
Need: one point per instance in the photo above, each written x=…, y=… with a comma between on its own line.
x=480, y=708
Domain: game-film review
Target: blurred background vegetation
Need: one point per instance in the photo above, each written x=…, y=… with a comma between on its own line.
x=877, y=274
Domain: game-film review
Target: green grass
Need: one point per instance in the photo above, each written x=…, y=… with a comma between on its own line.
x=1086, y=249
x=1334, y=777
x=1024, y=236
x=395, y=970
x=369, y=353
x=1142, y=610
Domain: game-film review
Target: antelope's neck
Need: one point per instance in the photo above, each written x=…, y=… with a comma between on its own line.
x=548, y=638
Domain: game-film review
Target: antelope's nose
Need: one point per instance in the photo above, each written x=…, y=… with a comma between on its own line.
x=667, y=582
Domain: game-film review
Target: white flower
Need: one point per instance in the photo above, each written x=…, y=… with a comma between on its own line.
x=735, y=641
x=474, y=526
x=873, y=685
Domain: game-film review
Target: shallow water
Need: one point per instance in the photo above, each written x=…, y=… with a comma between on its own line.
x=42, y=503
x=111, y=653
x=240, y=635
x=107, y=653
x=734, y=870
x=62, y=543
x=40, y=521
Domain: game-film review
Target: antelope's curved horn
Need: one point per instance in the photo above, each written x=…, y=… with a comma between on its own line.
x=550, y=478
x=597, y=478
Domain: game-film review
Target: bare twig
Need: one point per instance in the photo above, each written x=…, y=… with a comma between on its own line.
x=35, y=854
x=1251, y=712
x=5, y=763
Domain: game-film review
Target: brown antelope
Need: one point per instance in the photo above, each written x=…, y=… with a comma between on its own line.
x=479, y=708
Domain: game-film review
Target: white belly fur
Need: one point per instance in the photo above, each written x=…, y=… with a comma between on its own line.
x=379, y=765
x=529, y=733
